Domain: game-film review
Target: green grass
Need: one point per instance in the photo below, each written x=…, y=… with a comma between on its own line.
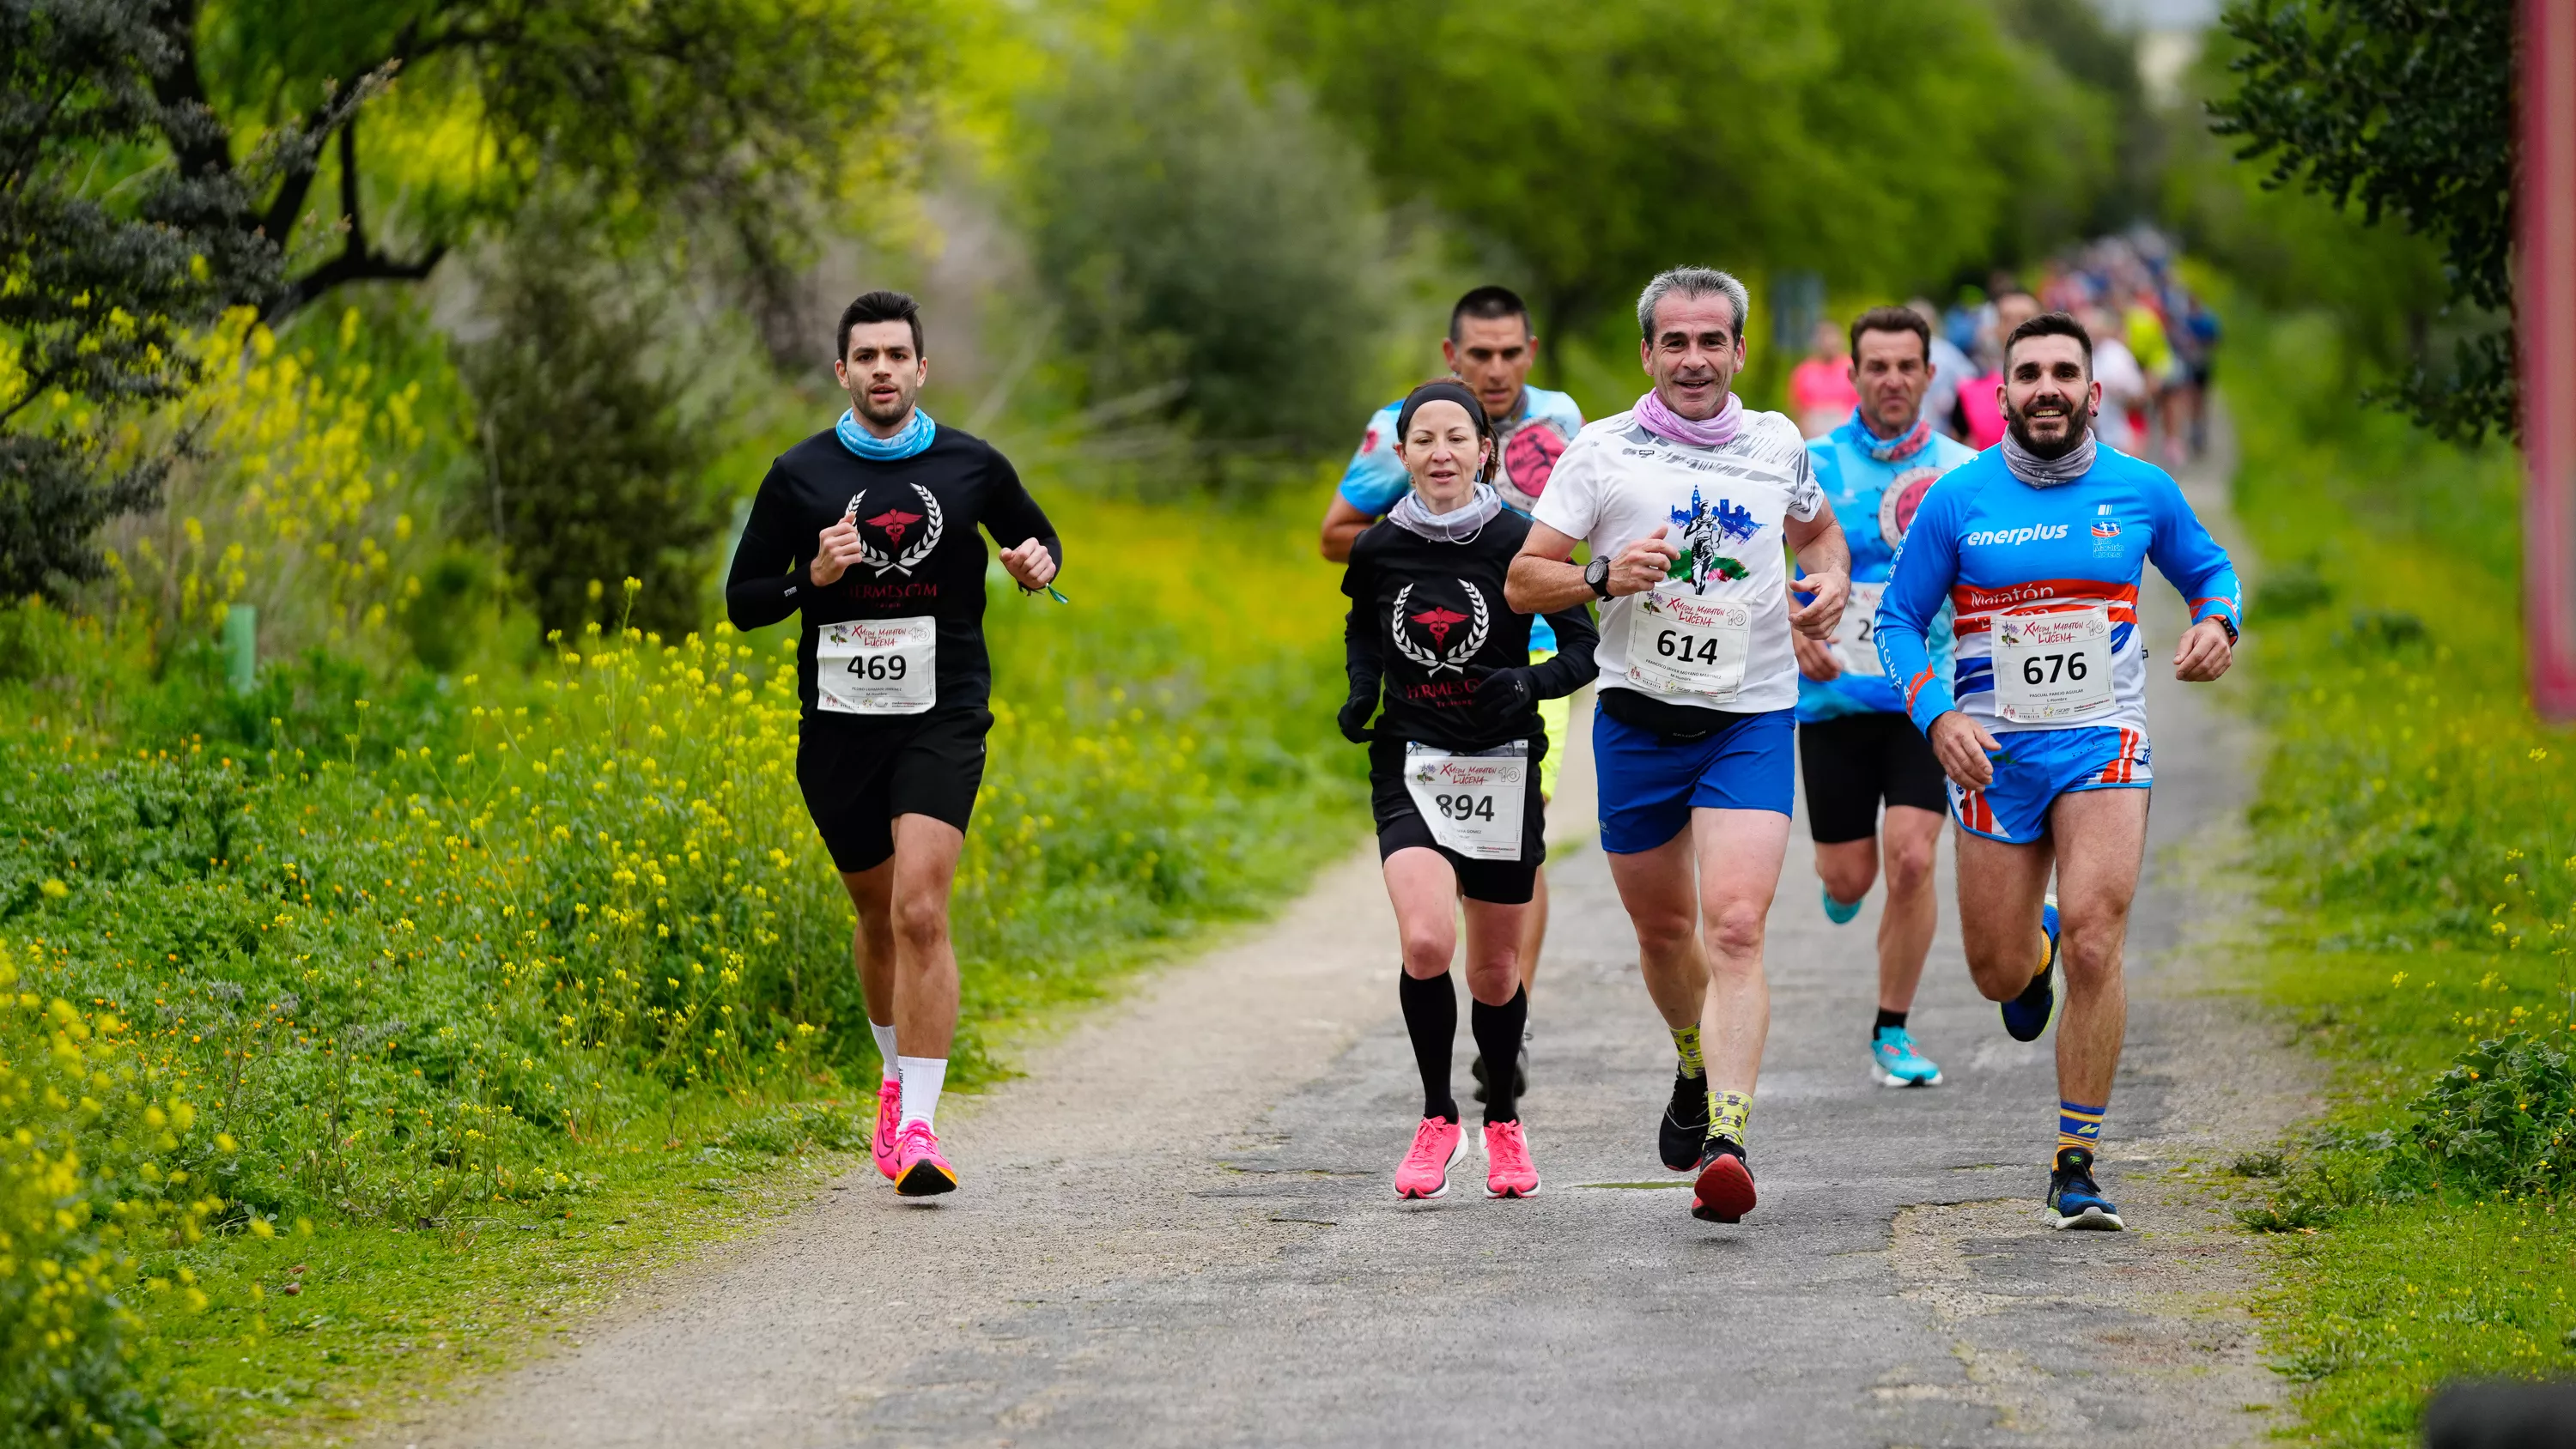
x=475, y=997
x=2417, y=827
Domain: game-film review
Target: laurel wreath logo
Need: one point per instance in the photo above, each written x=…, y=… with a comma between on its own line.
x=1454, y=659
x=906, y=561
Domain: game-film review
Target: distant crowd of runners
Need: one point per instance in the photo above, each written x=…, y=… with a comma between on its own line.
x=1920, y=594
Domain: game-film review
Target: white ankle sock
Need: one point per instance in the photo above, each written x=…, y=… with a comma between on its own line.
x=885, y=1046
x=922, y=1079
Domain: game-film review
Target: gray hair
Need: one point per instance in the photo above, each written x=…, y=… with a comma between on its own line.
x=1692, y=282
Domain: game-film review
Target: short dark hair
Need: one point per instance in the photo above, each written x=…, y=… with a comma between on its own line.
x=1893, y=319
x=880, y=307
x=1490, y=304
x=2051, y=324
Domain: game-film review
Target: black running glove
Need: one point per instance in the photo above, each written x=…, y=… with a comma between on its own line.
x=1503, y=694
x=1354, y=719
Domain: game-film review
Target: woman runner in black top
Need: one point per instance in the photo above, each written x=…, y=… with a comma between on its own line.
x=1453, y=762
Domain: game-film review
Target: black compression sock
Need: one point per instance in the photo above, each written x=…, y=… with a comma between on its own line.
x=1498, y=1037
x=1886, y=1019
x=1431, y=1019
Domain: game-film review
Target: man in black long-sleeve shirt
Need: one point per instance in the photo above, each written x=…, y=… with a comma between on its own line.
x=868, y=528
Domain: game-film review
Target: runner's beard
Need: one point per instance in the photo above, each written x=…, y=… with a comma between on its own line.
x=884, y=418
x=2047, y=451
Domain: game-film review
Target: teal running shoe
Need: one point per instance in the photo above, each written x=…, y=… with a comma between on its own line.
x=2073, y=1199
x=1895, y=1062
x=2026, y=1017
x=1836, y=911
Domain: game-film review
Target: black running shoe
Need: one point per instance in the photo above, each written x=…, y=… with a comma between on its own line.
x=1724, y=1191
x=2026, y=1017
x=1685, y=1125
x=2074, y=1201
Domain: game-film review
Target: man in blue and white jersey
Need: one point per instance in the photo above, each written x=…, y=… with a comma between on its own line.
x=2038, y=545
x=1856, y=748
x=1490, y=348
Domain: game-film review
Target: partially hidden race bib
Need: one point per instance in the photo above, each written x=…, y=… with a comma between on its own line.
x=878, y=666
x=2053, y=666
x=1681, y=643
x=1473, y=803
x=1856, y=635
x=1526, y=461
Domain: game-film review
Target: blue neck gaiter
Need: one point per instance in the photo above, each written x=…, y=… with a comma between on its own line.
x=915, y=437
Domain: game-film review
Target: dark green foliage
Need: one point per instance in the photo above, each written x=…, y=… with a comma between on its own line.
x=1213, y=247
x=727, y=112
x=2502, y=1118
x=2406, y=108
x=1593, y=145
x=593, y=471
x=2292, y=590
x=107, y=274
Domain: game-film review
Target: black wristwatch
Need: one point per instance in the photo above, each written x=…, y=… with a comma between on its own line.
x=1596, y=574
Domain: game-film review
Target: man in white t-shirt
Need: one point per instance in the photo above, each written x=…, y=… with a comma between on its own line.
x=1687, y=501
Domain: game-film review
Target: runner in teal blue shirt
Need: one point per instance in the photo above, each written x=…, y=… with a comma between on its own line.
x=1857, y=748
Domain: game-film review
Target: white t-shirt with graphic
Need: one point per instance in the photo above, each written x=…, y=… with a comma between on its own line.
x=1724, y=508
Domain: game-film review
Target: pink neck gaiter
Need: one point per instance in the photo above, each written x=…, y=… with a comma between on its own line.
x=1714, y=432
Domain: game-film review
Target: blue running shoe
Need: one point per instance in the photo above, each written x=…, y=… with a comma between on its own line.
x=1838, y=912
x=1895, y=1062
x=2026, y=1017
x=2074, y=1201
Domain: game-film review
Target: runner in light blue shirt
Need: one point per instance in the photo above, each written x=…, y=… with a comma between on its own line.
x=1857, y=749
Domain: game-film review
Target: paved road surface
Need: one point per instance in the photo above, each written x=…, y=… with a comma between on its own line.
x=1178, y=1229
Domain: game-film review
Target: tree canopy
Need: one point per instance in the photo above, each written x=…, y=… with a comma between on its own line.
x=163, y=159
x=2405, y=108
x=1882, y=144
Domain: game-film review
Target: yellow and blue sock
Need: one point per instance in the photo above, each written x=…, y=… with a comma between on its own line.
x=2079, y=1126
x=1686, y=1042
x=1727, y=1112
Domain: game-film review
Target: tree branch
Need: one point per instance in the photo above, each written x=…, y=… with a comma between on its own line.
x=349, y=184
x=354, y=264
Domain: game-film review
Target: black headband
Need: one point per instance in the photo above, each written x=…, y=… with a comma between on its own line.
x=1441, y=390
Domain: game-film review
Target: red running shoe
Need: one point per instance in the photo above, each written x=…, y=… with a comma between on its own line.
x=1724, y=1191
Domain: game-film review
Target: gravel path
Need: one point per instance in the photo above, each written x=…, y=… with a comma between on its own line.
x=1177, y=1228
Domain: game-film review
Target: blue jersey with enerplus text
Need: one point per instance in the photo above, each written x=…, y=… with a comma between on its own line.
x=1375, y=477
x=1987, y=544
x=1875, y=501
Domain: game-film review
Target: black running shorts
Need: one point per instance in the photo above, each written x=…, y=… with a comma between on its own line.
x=1400, y=827
x=859, y=775
x=1854, y=761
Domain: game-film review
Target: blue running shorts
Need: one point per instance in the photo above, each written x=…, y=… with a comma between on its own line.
x=1650, y=783
x=2034, y=767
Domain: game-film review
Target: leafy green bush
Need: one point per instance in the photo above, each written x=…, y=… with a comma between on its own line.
x=1216, y=246
x=2500, y=1120
x=593, y=469
x=101, y=1162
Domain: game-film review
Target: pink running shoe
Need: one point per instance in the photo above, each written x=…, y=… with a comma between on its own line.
x=882, y=1146
x=919, y=1170
x=1508, y=1169
x=1437, y=1145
